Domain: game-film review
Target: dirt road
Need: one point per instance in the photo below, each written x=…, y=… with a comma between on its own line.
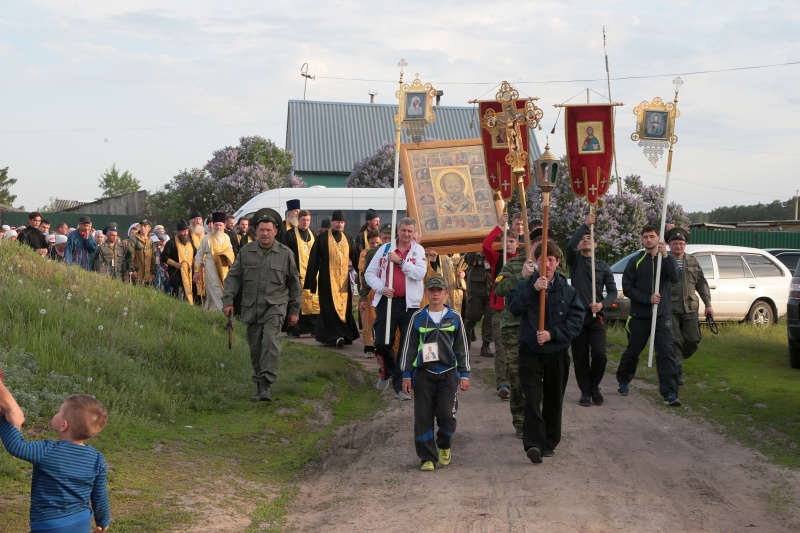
x=628, y=465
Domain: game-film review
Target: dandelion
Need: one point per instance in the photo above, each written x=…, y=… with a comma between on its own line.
x=87, y=300
x=20, y=282
x=124, y=314
x=89, y=379
x=48, y=290
x=141, y=326
x=222, y=365
x=11, y=269
x=99, y=328
x=99, y=309
x=69, y=297
x=135, y=323
x=42, y=311
x=125, y=309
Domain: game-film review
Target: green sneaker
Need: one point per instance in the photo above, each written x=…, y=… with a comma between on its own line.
x=444, y=457
x=427, y=466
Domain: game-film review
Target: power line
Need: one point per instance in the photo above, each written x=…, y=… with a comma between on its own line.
x=586, y=80
x=139, y=128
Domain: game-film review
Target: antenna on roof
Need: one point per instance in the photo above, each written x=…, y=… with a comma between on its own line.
x=304, y=73
x=372, y=94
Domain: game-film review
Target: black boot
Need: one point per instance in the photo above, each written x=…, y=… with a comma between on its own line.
x=262, y=391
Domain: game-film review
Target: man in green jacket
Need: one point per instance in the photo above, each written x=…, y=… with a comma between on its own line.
x=266, y=272
x=685, y=305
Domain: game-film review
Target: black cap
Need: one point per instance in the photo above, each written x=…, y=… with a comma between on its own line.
x=371, y=214
x=291, y=205
x=181, y=225
x=325, y=224
x=386, y=228
x=219, y=216
x=338, y=216
x=84, y=220
x=195, y=214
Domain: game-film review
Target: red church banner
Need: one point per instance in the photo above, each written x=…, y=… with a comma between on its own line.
x=590, y=148
x=495, y=145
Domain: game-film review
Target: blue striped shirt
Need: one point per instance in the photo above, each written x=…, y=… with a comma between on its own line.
x=67, y=477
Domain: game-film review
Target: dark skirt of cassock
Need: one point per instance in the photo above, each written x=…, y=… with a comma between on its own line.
x=329, y=326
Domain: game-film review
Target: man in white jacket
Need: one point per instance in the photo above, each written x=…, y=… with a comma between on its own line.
x=404, y=294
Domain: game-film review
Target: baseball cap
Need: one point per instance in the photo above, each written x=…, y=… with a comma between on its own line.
x=436, y=282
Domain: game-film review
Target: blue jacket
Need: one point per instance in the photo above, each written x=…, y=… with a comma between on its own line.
x=450, y=337
x=563, y=318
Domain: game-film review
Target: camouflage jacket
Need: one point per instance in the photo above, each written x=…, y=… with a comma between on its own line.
x=504, y=283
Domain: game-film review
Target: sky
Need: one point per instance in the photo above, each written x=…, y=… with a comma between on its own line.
x=156, y=87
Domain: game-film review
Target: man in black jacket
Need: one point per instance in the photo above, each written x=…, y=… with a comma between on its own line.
x=638, y=284
x=33, y=236
x=589, y=369
x=543, y=357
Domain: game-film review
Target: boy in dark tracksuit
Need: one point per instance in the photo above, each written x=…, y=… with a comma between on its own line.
x=543, y=357
x=436, y=356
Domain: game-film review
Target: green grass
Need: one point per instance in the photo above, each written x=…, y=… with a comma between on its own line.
x=181, y=424
x=741, y=381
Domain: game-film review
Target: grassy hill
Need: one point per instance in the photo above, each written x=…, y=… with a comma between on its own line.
x=182, y=435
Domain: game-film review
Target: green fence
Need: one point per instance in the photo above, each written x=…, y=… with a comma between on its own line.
x=753, y=239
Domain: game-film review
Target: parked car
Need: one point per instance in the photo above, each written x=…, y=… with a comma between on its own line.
x=793, y=319
x=747, y=284
x=787, y=256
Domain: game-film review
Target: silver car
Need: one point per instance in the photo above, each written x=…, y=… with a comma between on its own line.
x=747, y=284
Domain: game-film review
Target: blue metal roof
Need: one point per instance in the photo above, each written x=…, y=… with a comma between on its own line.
x=330, y=137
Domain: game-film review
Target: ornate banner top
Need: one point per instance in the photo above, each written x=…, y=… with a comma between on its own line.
x=655, y=125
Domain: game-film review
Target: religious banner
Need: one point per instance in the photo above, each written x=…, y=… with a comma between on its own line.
x=590, y=148
x=499, y=140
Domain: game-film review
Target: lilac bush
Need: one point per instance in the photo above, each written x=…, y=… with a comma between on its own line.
x=375, y=171
x=620, y=218
x=240, y=173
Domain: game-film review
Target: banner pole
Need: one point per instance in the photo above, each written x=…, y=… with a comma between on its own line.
x=393, y=242
x=661, y=236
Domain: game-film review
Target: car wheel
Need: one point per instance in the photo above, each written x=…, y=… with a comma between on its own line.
x=794, y=357
x=761, y=314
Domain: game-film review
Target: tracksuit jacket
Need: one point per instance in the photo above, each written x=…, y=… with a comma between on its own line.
x=450, y=337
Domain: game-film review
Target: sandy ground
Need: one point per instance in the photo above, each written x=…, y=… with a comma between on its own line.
x=628, y=465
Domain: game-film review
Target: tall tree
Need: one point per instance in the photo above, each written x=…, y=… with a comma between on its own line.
x=242, y=172
x=113, y=183
x=6, y=197
x=188, y=191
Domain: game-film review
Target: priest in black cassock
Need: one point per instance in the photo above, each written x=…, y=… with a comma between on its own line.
x=328, y=275
x=300, y=240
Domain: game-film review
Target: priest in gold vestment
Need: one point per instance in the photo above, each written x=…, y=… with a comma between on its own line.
x=215, y=254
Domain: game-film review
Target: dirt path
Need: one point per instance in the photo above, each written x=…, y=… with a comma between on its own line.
x=628, y=465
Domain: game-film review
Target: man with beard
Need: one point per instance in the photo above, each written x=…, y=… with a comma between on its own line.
x=196, y=234
x=241, y=235
x=140, y=257
x=330, y=259
x=32, y=234
x=216, y=254
x=454, y=200
x=372, y=224
x=178, y=254
x=81, y=246
x=292, y=213
x=301, y=240
x=269, y=291
x=110, y=256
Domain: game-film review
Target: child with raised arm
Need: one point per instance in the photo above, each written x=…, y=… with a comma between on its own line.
x=69, y=477
x=436, y=357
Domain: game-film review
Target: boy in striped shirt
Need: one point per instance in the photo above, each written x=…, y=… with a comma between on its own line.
x=69, y=478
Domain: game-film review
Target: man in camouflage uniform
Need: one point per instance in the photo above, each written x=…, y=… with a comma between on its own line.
x=506, y=281
x=266, y=272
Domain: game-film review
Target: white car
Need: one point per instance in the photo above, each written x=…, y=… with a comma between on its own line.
x=747, y=284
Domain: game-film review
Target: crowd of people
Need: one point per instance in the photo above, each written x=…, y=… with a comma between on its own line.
x=280, y=276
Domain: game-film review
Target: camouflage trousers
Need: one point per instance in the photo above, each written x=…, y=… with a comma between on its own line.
x=499, y=352
x=516, y=402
